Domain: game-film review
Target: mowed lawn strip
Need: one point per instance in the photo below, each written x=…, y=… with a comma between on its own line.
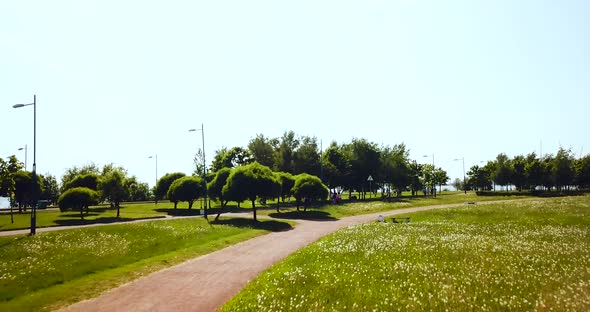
x=521, y=256
x=55, y=269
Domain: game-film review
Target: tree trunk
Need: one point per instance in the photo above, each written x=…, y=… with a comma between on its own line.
x=11, y=215
x=190, y=204
x=82, y=213
x=175, y=203
x=118, y=208
x=254, y=209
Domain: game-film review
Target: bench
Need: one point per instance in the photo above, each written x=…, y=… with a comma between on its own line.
x=407, y=220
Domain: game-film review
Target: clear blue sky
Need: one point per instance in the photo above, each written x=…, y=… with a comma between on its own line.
x=118, y=81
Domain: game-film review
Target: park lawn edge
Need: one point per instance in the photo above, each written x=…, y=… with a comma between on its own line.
x=93, y=285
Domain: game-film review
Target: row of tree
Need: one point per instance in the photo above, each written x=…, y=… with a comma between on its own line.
x=346, y=166
x=561, y=171
x=245, y=182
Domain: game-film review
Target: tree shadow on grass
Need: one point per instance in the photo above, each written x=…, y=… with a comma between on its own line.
x=104, y=220
x=312, y=215
x=179, y=212
x=268, y=225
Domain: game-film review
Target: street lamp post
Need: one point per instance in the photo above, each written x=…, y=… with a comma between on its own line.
x=25, y=148
x=34, y=173
x=433, y=190
x=204, y=168
x=464, y=184
x=155, y=184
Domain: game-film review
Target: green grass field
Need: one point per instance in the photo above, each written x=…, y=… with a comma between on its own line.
x=148, y=210
x=54, y=269
x=514, y=256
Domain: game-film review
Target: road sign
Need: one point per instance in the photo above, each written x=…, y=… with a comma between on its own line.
x=370, y=178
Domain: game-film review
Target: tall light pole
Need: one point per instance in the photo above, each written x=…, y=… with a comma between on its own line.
x=34, y=173
x=155, y=184
x=25, y=148
x=464, y=184
x=204, y=168
x=433, y=190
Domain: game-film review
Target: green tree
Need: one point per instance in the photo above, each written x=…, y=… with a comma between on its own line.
x=164, y=183
x=137, y=191
x=231, y=158
x=394, y=170
x=479, y=178
x=365, y=161
x=563, y=170
x=89, y=180
x=308, y=188
x=518, y=174
x=27, y=189
x=250, y=182
x=306, y=159
x=534, y=171
x=284, y=154
x=215, y=188
x=113, y=187
x=287, y=181
x=582, y=169
x=186, y=189
x=262, y=150
x=336, y=166
x=502, y=173
x=73, y=172
x=50, y=188
x=415, y=173
x=78, y=198
x=440, y=178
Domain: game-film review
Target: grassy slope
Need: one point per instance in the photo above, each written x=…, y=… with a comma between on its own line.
x=528, y=255
x=58, y=268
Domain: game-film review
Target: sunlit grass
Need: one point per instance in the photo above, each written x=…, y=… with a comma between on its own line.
x=519, y=256
x=377, y=205
x=56, y=268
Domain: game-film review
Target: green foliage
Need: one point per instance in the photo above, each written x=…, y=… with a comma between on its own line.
x=113, y=186
x=231, y=158
x=582, y=168
x=186, y=189
x=336, y=166
x=262, y=150
x=50, y=188
x=306, y=159
x=72, y=173
x=215, y=187
x=284, y=154
x=8, y=169
x=89, y=180
x=138, y=191
x=250, y=182
x=501, y=174
x=27, y=188
x=309, y=187
x=164, y=184
x=287, y=181
x=77, y=198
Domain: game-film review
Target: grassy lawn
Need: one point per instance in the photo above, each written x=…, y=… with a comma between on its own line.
x=376, y=205
x=147, y=210
x=54, y=269
x=521, y=256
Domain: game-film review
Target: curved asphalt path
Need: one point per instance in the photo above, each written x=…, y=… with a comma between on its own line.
x=207, y=282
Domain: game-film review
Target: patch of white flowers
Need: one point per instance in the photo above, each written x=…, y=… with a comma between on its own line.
x=436, y=265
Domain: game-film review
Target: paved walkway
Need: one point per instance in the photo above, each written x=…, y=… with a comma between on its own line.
x=207, y=282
